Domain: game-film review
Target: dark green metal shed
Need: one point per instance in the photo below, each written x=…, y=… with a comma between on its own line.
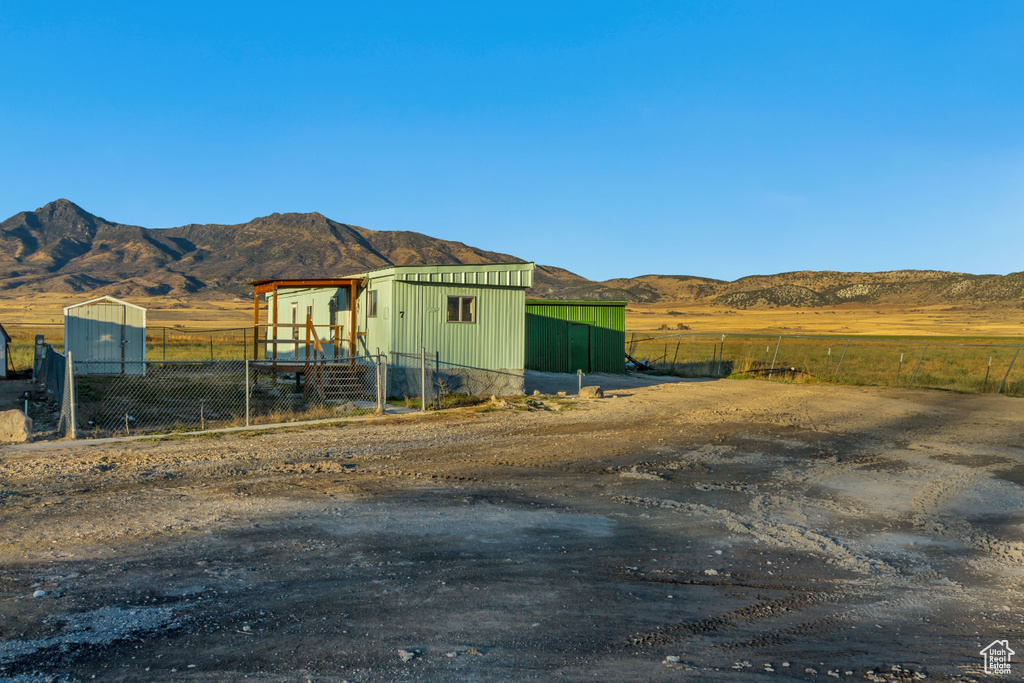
x=566, y=336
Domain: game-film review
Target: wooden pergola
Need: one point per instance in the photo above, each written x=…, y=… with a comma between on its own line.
x=270, y=287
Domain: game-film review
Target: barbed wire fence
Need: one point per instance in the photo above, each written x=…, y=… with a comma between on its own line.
x=962, y=367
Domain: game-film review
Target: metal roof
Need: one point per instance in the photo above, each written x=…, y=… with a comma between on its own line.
x=574, y=302
x=102, y=298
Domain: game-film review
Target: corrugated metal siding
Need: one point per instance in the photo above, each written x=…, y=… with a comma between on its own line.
x=493, y=274
x=378, y=329
x=320, y=299
x=547, y=334
x=495, y=341
x=107, y=331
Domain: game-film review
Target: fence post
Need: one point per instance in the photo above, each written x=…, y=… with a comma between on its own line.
x=246, y=392
x=1007, y=375
x=164, y=357
x=775, y=357
x=899, y=369
x=69, y=379
x=423, y=379
x=381, y=373
x=718, y=372
x=437, y=377
x=918, y=366
x=839, y=365
x=984, y=387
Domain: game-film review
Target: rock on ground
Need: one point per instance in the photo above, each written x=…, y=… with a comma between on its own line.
x=15, y=427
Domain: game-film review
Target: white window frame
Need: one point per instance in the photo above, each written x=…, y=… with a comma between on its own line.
x=461, y=298
x=371, y=303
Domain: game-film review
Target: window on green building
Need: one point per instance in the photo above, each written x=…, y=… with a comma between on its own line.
x=371, y=303
x=462, y=309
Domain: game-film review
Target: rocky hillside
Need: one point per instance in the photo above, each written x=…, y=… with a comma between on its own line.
x=63, y=248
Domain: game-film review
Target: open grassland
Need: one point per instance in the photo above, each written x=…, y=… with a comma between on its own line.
x=848, y=319
x=967, y=349
x=932, y=363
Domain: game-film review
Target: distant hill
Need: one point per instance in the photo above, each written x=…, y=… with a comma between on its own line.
x=63, y=248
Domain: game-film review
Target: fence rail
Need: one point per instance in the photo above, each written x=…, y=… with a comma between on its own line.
x=103, y=399
x=207, y=378
x=187, y=396
x=969, y=368
x=410, y=373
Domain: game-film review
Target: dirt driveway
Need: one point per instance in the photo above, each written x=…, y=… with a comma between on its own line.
x=686, y=531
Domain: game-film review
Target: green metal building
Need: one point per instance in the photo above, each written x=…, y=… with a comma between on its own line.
x=471, y=316
x=566, y=336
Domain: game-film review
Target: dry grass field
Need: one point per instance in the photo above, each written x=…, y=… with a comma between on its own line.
x=47, y=309
x=855, y=319
x=847, y=319
x=219, y=329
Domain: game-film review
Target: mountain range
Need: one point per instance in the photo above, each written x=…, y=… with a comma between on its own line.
x=61, y=247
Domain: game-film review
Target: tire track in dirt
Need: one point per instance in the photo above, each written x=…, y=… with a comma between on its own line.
x=954, y=481
x=730, y=621
x=770, y=531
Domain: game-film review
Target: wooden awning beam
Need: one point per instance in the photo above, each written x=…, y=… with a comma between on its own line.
x=266, y=286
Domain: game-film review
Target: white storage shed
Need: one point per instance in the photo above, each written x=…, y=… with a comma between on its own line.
x=109, y=334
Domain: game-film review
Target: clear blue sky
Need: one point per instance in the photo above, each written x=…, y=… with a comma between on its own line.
x=613, y=139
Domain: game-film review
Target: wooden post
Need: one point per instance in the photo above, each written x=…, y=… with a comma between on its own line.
x=353, y=291
x=309, y=323
x=255, y=324
x=274, y=354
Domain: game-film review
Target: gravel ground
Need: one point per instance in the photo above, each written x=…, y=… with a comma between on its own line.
x=670, y=531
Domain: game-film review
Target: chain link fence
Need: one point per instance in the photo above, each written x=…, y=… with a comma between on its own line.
x=968, y=368
x=188, y=396
x=162, y=343
x=409, y=373
x=97, y=399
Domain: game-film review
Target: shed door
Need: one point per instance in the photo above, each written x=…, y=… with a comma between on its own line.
x=103, y=327
x=579, y=347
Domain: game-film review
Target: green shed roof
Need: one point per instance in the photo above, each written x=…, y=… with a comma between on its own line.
x=573, y=302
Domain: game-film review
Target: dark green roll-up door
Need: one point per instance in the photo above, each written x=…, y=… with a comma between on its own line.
x=566, y=336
